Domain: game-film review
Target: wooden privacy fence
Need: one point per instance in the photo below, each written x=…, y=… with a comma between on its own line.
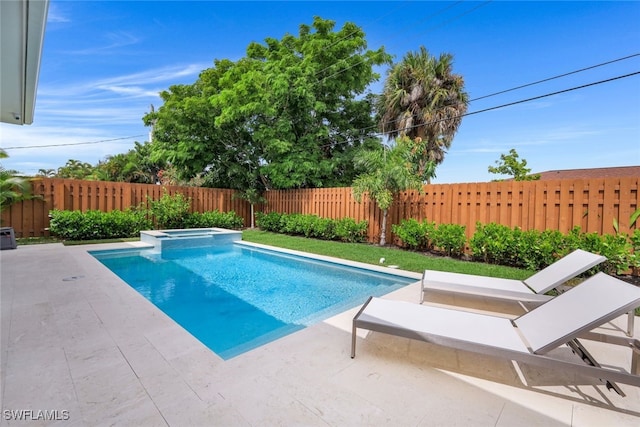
x=30, y=218
x=592, y=204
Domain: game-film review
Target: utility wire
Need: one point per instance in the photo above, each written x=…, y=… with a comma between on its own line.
x=500, y=106
x=73, y=143
x=344, y=38
x=429, y=29
x=533, y=83
x=551, y=94
x=437, y=121
x=556, y=77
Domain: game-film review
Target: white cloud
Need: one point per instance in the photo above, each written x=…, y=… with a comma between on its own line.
x=131, y=91
x=54, y=14
x=113, y=42
x=143, y=79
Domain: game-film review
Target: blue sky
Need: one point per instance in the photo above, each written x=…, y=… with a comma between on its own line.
x=105, y=62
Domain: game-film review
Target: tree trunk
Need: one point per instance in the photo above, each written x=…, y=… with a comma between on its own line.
x=252, y=222
x=383, y=228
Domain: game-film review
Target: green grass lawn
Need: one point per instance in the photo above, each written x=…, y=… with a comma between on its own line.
x=371, y=254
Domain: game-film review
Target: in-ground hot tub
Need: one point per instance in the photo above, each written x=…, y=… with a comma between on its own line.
x=189, y=237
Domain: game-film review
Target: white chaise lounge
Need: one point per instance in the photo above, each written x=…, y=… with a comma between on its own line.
x=528, y=338
x=531, y=290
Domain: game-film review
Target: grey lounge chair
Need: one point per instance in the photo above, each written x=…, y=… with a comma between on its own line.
x=528, y=338
x=531, y=290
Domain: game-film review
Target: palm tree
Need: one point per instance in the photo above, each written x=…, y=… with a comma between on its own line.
x=47, y=173
x=424, y=101
x=387, y=171
x=253, y=196
x=13, y=188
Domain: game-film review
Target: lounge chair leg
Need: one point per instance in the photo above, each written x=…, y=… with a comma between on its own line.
x=582, y=352
x=353, y=341
x=630, y=323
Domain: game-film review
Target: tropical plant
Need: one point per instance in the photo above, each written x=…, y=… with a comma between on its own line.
x=133, y=166
x=47, y=173
x=75, y=169
x=425, y=101
x=13, y=188
x=386, y=171
x=633, y=218
x=170, y=211
x=253, y=196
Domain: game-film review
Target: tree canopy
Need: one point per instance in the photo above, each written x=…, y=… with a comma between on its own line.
x=290, y=114
x=510, y=165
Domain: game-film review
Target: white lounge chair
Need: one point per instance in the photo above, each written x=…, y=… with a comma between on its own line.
x=531, y=290
x=528, y=338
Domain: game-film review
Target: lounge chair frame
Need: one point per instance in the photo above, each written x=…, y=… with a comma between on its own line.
x=532, y=349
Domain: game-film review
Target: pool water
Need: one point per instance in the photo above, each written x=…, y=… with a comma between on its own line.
x=235, y=298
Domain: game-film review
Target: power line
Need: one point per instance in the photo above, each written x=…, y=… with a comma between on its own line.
x=498, y=106
x=527, y=100
x=533, y=83
x=556, y=77
x=74, y=143
x=554, y=93
x=415, y=126
x=356, y=31
x=429, y=29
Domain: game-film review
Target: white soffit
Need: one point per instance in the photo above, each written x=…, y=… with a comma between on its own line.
x=22, y=25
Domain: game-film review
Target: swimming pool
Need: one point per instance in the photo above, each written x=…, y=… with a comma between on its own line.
x=234, y=297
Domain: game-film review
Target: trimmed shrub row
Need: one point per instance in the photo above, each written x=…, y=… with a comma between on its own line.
x=94, y=225
x=447, y=238
x=345, y=229
x=532, y=249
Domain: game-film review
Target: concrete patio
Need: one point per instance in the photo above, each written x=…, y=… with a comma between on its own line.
x=77, y=340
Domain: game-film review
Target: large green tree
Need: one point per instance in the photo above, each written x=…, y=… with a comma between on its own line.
x=387, y=171
x=425, y=101
x=290, y=114
x=186, y=136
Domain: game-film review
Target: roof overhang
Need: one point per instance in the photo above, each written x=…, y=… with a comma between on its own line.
x=22, y=24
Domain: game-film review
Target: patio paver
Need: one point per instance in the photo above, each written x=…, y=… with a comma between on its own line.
x=75, y=338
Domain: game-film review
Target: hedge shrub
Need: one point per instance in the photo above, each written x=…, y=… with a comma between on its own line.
x=415, y=235
x=450, y=239
x=313, y=226
x=93, y=224
x=535, y=250
x=215, y=218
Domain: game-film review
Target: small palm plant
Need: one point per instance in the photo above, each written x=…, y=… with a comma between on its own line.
x=386, y=172
x=13, y=188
